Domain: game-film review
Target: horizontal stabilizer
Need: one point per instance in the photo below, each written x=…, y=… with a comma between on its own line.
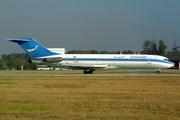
x=18, y=40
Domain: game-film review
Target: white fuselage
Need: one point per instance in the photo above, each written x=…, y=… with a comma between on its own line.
x=113, y=61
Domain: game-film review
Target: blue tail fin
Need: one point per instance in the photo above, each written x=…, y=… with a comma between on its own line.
x=33, y=48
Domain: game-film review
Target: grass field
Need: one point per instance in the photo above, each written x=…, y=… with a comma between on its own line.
x=99, y=98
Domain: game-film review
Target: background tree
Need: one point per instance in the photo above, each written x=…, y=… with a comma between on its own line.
x=154, y=48
x=3, y=65
x=149, y=47
x=94, y=52
x=82, y=52
x=105, y=52
x=118, y=52
x=5, y=57
x=175, y=48
x=32, y=66
x=19, y=64
x=162, y=48
x=12, y=63
x=127, y=52
x=73, y=52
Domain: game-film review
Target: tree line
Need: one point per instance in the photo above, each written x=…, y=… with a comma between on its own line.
x=97, y=52
x=16, y=61
x=19, y=60
x=149, y=47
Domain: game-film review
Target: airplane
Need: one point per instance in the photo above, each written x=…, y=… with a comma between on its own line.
x=89, y=62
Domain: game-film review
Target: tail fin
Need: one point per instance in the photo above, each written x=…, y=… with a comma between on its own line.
x=32, y=48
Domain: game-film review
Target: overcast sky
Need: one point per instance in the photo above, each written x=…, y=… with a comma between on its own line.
x=109, y=25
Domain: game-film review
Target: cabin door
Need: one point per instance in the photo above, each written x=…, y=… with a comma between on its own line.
x=149, y=60
x=67, y=60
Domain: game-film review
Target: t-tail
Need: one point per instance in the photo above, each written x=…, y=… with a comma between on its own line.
x=33, y=48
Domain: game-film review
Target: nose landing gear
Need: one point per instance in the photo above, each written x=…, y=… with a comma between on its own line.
x=158, y=71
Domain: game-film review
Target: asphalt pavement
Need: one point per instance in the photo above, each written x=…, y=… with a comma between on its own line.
x=132, y=72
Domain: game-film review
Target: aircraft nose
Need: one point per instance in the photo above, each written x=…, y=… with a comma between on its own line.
x=170, y=65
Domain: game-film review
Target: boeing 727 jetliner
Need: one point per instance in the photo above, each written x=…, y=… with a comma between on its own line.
x=89, y=62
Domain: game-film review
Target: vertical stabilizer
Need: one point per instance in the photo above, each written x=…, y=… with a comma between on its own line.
x=33, y=48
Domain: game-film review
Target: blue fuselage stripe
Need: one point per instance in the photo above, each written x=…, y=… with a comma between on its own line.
x=112, y=59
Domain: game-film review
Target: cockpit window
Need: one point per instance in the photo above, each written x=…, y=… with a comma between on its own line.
x=166, y=59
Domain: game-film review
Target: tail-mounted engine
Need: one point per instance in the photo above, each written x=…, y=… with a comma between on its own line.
x=46, y=60
x=52, y=60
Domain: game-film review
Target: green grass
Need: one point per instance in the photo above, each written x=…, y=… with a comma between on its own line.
x=7, y=82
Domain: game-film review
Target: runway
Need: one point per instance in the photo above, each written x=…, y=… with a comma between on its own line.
x=122, y=73
x=89, y=75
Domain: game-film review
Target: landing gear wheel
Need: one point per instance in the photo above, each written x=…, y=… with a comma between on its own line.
x=88, y=71
x=158, y=72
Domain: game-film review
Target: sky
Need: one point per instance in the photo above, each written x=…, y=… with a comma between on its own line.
x=111, y=25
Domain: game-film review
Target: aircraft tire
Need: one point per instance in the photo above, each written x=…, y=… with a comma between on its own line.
x=88, y=71
x=158, y=72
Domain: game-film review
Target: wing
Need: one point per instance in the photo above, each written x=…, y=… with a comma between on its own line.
x=92, y=66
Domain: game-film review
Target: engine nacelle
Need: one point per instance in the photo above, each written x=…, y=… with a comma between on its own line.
x=52, y=60
x=38, y=61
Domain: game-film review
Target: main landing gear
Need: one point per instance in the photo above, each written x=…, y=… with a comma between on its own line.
x=158, y=71
x=89, y=71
